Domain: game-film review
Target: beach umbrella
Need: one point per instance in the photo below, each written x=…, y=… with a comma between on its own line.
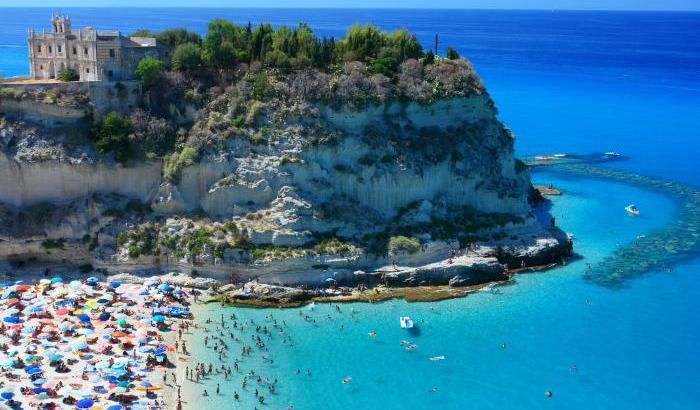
x=79, y=344
x=115, y=407
x=91, y=279
x=56, y=279
x=102, y=365
x=32, y=370
x=22, y=288
x=84, y=318
x=54, y=357
x=11, y=319
x=104, y=316
x=121, y=322
x=159, y=318
x=84, y=403
x=115, y=284
x=7, y=395
x=330, y=280
x=62, y=311
x=146, y=386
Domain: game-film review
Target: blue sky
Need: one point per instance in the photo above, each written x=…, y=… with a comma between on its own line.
x=483, y=4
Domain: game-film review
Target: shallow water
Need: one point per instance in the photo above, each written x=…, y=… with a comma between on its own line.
x=619, y=339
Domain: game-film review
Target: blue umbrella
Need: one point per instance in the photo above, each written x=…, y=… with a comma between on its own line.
x=115, y=407
x=84, y=403
x=104, y=316
x=32, y=370
x=92, y=279
x=179, y=292
x=39, y=390
x=159, y=318
x=56, y=279
x=11, y=319
x=115, y=284
x=84, y=318
x=164, y=287
x=7, y=395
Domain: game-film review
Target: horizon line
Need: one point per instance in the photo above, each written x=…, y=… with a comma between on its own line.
x=356, y=8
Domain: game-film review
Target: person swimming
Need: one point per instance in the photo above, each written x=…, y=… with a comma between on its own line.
x=347, y=380
x=372, y=333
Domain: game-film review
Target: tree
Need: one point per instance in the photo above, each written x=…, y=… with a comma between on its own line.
x=451, y=53
x=405, y=44
x=224, y=43
x=112, y=134
x=142, y=32
x=260, y=42
x=174, y=37
x=362, y=42
x=147, y=70
x=187, y=56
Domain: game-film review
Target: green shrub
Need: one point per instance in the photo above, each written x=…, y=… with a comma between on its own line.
x=177, y=162
x=111, y=134
x=451, y=53
x=53, y=243
x=147, y=70
x=187, y=56
x=68, y=75
x=7, y=93
x=403, y=243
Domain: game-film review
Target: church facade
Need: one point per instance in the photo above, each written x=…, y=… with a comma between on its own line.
x=93, y=55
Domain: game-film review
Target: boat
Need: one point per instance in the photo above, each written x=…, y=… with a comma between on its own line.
x=613, y=154
x=406, y=322
x=437, y=358
x=632, y=209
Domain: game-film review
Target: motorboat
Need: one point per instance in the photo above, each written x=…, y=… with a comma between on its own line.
x=406, y=322
x=632, y=209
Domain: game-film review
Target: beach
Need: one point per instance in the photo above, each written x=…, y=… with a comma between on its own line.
x=88, y=343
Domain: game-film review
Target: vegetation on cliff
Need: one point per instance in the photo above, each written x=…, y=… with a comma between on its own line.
x=244, y=78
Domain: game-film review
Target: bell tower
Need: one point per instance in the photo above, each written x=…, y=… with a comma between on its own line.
x=60, y=24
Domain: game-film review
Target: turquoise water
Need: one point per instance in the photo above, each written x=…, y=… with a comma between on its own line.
x=621, y=340
x=564, y=82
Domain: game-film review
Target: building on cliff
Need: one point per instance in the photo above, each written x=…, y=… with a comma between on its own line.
x=94, y=55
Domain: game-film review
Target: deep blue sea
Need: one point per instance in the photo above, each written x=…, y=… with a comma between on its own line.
x=563, y=82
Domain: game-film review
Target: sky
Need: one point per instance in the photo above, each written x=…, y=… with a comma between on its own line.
x=449, y=4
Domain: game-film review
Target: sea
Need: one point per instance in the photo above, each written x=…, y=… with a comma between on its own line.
x=564, y=82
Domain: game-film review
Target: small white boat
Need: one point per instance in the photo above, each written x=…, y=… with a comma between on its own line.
x=406, y=322
x=613, y=154
x=437, y=358
x=632, y=209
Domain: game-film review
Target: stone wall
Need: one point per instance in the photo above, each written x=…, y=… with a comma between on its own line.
x=105, y=96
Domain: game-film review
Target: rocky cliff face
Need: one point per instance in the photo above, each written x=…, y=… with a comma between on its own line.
x=280, y=187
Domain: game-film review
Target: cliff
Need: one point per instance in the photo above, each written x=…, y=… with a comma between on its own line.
x=281, y=177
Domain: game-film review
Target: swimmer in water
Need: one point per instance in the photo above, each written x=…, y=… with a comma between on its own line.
x=347, y=379
x=372, y=333
x=548, y=393
x=503, y=345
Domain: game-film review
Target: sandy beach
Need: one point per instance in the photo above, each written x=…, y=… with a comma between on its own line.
x=89, y=343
